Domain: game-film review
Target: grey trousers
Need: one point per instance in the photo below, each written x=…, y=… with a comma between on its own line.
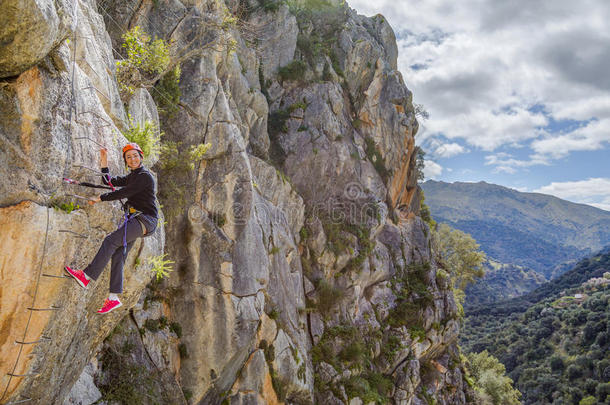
x=112, y=247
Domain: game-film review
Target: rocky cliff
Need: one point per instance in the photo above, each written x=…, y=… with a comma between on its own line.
x=303, y=273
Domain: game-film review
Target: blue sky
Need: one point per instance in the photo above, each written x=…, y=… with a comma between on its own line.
x=518, y=92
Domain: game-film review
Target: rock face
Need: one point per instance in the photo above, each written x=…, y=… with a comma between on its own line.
x=29, y=30
x=303, y=273
x=41, y=142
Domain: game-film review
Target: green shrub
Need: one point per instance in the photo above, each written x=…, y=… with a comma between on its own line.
x=160, y=266
x=277, y=122
x=183, y=351
x=176, y=328
x=490, y=379
x=590, y=400
x=167, y=92
x=295, y=70
x=65, y=207
x=152, y=325
x=146, y=135
x=328, y=296
x=376, y=159
x=146, y=58
x=304, y=233
x=173, y=156
x=270, y=6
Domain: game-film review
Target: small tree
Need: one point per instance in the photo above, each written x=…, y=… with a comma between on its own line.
x=146, y=60
x=459, y=253
x=146, y=135
x=419, y=163
x=490, y=380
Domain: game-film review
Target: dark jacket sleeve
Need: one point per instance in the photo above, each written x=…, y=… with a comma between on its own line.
x=118, y=181
x=140, y=183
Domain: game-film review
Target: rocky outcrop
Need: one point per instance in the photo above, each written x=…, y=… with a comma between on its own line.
x=303, y=273
x=42, y=226
x=29, y=30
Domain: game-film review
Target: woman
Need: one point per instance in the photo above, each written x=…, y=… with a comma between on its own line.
x=141, y=218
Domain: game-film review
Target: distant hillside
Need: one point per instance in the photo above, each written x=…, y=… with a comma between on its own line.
x=533, y=230
x=589, y=267
x=555, y=344
x=502, y=282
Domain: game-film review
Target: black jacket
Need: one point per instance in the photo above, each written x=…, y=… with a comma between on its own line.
x=138, y=187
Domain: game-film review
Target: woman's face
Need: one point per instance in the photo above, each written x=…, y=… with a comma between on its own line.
x=132, y=157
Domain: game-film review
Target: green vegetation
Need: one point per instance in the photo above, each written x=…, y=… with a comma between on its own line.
x=590, y=267
x=175, y=157
x=183, y=351
x=329, y=20
x=374, y=156
x=65, y=207
x=412, y=297
x=155, y=325
x=276, y=381
x=270, y=6
x=554, y=353
x=420, y=155
x=328, y=296
x=458, y=254
x=424, y=211
x=146, y=135
x=529, y=230
x=176, y=328
x=294, y=71
x=146, y=59
x=167, y=92
x=277, y=122
x=345, y=347
x=490, y=381
x=125, y=381
x=160, y=266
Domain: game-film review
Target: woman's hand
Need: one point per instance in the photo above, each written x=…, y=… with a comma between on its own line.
x=104, y=157
x=94, y=200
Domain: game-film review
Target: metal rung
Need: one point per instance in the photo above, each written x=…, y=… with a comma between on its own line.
x=88, y=168
x=80, y=235
x=96, y=89
x=53, y=308
x=42, y=339
x=97, y=115
x=21, y=401
x=91, y=140
x=23, y=375
x=54, y=276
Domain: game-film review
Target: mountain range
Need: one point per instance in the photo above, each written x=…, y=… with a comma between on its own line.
x=529, y=238
x=531, y=230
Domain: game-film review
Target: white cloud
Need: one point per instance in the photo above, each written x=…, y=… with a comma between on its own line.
x=432, y=170
x=479, y=66
x=594, y=136
x=593, y=191
x=449, y=149
x=505, y=163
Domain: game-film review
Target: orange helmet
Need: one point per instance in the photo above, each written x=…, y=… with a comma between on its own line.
x=130, y=146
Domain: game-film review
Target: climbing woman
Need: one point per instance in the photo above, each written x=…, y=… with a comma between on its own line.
x=141, y=217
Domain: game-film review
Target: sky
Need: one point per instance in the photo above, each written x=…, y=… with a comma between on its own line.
x=518, y=92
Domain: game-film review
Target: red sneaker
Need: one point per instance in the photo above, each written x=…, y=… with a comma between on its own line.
x=79, y=276
x=108, y=306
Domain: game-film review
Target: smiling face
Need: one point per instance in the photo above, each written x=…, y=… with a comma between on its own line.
x=132, y=158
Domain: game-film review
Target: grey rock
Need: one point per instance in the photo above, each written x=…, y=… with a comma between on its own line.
x=84, y=391
x=29, y=29
x=327, y=372
x=277, y=38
